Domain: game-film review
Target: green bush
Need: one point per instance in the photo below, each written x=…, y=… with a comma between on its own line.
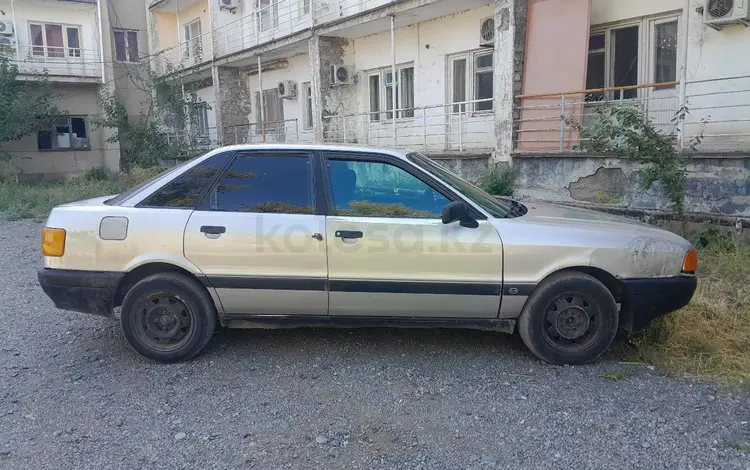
x=501, y=182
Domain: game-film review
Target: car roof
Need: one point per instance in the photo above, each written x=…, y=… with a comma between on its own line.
x=399, y=153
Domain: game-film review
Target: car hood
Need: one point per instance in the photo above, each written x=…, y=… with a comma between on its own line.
x=553, y=214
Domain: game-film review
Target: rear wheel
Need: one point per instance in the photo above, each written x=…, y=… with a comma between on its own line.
x=571, y=318
x=168, y=317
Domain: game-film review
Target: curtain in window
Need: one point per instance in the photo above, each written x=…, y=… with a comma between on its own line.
x=55, y=43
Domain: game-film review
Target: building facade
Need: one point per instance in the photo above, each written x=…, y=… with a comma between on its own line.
x=474, y=83
x=86, y=48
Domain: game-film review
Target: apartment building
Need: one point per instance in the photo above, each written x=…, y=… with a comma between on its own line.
x=85, y=47
x=474, y=82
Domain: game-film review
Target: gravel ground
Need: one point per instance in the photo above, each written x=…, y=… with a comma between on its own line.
x=73, y=395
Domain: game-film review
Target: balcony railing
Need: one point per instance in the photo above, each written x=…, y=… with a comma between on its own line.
x=187, y=54
x=717, y=111
x=58, y=61
x=264, y=25
x=466, y=127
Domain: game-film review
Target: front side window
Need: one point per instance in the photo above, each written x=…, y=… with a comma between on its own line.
x=184, y=191
x=266, y=184
x=378, y=189
x=66, y=133
x=495, y=207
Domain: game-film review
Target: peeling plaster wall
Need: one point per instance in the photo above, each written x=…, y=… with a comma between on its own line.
x=233, y=102
x=715, y=185
x=335, y=99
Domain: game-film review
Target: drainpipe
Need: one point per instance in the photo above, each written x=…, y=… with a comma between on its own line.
x=179, y=40
x=15, y=28
x=101, y=40
x=261, y=111
x=393, y=74
x=684, y=71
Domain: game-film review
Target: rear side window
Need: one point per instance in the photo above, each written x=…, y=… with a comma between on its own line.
x=266, y=184
x=184, y=191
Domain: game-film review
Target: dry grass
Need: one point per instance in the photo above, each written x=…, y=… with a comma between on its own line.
x=710, y=338
x=35, y=201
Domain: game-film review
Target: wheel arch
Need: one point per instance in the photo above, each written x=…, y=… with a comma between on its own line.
x=613, y=284
x=157, y=267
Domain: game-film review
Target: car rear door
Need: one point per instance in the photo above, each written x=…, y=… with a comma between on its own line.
x=390, y=255
x=258, y=236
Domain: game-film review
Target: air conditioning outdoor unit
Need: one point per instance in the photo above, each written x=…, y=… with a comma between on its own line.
x=7, y=41
x=340, y=75
x=230, y=5
x=6, y=28
x=287, y=89
x=487, y=33
x=720, y=13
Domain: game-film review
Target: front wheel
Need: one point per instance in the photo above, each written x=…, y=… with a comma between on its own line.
x=572, y=318
x=168, y=317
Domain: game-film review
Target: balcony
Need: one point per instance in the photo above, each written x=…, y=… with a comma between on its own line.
x=716, y=120
x=60, y=63
x=185, y=55
x=455, y=128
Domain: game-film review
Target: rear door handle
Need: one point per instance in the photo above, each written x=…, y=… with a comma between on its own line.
x=349, y=234
x=213, y=229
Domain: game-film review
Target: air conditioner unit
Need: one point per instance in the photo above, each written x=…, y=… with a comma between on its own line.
x=230, y=5
x=487, y=33
x=6, y=41
x=340, y=75
x=720, y=13
x=287, y=89
x=6, y=28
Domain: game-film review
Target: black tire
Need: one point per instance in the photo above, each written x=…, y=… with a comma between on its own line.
x=571, y=318
x=168, y=317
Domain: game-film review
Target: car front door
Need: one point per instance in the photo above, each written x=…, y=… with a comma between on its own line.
x=390, y=255
x=257, y=238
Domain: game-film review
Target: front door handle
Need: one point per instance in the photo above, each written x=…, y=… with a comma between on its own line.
x=349, y=234
x=213, y=229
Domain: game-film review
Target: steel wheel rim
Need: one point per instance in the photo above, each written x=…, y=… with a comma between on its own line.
x=164, y=322
x=571, y=321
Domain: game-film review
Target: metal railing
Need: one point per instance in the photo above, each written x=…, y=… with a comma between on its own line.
x=465, y=127
x=193, y=52
x=264, y=25
x=58, y=61
x=717, y=113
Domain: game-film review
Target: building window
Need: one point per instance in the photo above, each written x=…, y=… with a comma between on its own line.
x=624, y=55
x=273, y=112
x=304, y=7
x=126, y=45
x=66, y=133
x=193, y=40
x=55, y=40
x=200, y=119
x=381, y=92
x=268, y=14
x=665, y=55
x=472, y=75
x=307, y=121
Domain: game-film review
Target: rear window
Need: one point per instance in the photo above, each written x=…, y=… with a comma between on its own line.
x=184, y=191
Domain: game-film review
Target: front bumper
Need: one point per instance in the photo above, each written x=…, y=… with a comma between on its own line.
x=644, y=300
x=81, y=291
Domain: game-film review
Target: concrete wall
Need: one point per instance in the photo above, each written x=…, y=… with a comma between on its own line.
x=165, y=27
x=715, y=185
x=33, y=165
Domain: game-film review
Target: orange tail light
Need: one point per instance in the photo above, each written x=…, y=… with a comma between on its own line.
x=690, y=265
x=53, y=242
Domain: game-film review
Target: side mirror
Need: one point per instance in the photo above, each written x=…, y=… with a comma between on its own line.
x=458, y=211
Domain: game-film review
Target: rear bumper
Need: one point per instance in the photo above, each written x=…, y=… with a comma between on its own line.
x=81, y=291
x=644, y=300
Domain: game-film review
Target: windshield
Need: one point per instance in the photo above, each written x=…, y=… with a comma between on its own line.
x=119, y=199
x=495, y=207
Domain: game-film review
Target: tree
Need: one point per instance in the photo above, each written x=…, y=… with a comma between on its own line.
x=146, y=139
x=25, y=106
